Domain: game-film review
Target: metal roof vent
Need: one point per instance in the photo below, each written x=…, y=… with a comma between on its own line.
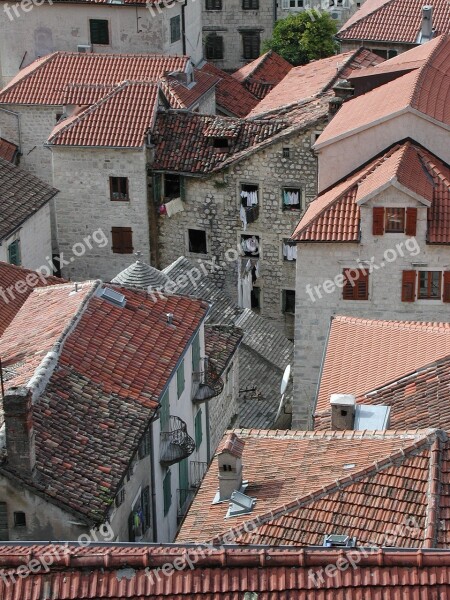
x=240, y=504
x=112, y=296
x=339, y=541
x=169, y=318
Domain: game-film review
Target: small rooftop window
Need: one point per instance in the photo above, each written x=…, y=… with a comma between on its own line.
x=339, y=541
x=112, y=296
x=240, y=504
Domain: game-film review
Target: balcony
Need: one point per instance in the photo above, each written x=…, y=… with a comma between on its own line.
x=175, y=443
x=252, y=213
x=206, y=383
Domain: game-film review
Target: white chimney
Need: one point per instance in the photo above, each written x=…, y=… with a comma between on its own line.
x=342, y=411
x=427, y=24
x=230, y=466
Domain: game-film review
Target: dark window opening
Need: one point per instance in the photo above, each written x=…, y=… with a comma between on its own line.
x=250, y=45
x=118, y=189
x=58, y=116
x=256, y=298
x=250, y=245
x=292, y=198
x=227, y=468
x=14, y=253
x=214, y=47
x=289, y=301
x=120, y=498
x=56, y=260
x=213, y=5
x=20, y=519
x=172, y=186
x=122, y=240
x=249, y=195
x=286, y=153
x=250, y=4
x=219, y=142
x=197, y=241
x=429, y=285
x=394, y=220
x=175, y=29
x=99, y=30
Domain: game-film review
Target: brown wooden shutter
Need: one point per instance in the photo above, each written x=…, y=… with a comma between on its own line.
x=408, y=286
x=347, y=290
x=378, y=220
x=446, y=287
x=122, y=240
x=362, y=286
x=411, y=221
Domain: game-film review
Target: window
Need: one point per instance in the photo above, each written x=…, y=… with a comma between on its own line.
x=145, y=508
x=4, y=532
x=249, y=195
x=20, y=519
x=198, y=429
x=58, y=116
x=250, y=245
x=122, y=240
x=250, y=45
x=172, y=186
x=120, y=497
x=175, y=29
x=183, y=478
x=292, y=198
x=196, y=354
x=221, y=143
x=292, y=4
x=99, y=30
x=214, y=47
x=429, y=283
x=394, y=220
x=250, y=4
x=164, y=412
x=144, y=445
x=118, y=188
x=213, y=5
x=197, y=241
x=167, y=492
x=289, y=250
x=14, y=253
x=255, y=298
x=356, y=284
x=289, y=301
x=286, y=153
x=180, y=379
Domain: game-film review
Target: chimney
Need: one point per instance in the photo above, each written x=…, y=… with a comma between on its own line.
x=342, y=411
x=427, y=24
x=230, y=466
x=20, y=443
x=169, y=318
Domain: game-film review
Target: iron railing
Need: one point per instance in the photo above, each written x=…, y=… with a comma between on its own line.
x=207, y=383
x=175, y=443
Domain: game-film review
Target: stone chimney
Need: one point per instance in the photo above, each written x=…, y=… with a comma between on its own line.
x=342, y=411
x=427, y=24
x=20, y=443
x=230, y=466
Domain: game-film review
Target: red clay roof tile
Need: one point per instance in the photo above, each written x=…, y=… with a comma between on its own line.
x=231, y=95
x=263, y=74
x=8, y=150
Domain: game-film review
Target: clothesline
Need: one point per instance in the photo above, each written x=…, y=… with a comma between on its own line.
x=251, y=198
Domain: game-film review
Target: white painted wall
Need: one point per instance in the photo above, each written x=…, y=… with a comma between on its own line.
x=35, y=240
x=318, y=262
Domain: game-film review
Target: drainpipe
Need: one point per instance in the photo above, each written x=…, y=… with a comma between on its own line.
x=152, y=479
x=274, y=11
x=183, y=25
x=10, y=112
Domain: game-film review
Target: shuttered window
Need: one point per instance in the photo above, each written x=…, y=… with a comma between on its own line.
x=214, y=47
x=408, y=286
x=99, y=30
x=250, y=44
x=167, y=492
x=213, y=5
x=378, y=220
x=250, y=4
x=4, y=532
x=196, y=354
x=446, y=287
x=164, y=413
x=122, y=240
x=411, y=221
x=180, y=379
x=429, y=285
x=395, y=220
x=356, y=284
x=198, y=429
x=145, y=506
x=14, y=253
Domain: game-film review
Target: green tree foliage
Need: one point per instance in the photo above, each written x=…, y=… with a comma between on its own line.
x=303, y=37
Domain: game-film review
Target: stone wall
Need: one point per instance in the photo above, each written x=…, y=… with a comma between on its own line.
x=212, y=204
x=224, y=408
x=318, y=262
x=83, y=206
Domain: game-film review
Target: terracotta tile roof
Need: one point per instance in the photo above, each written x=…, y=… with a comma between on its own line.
x=221, y=343
x=81, y=94
x=425, y=89
x=182, y=96
x=112, y=366
x=122, y=119
x=183, y=144
x=231, y=95
x=263, y=74
x=22, y=195
x=118, y=572
x=16, y=284
x=314, y=79
x=232, y=444
x=393, y=21
x=363, y=354
x=47, y=80
x=8, y=150
x=291, y=469
x=335, y=214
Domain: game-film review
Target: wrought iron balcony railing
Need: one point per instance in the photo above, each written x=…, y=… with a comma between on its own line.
x=206, y=384
x=175, y=443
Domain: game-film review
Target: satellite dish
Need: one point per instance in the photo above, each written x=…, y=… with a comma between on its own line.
x=285, y=380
